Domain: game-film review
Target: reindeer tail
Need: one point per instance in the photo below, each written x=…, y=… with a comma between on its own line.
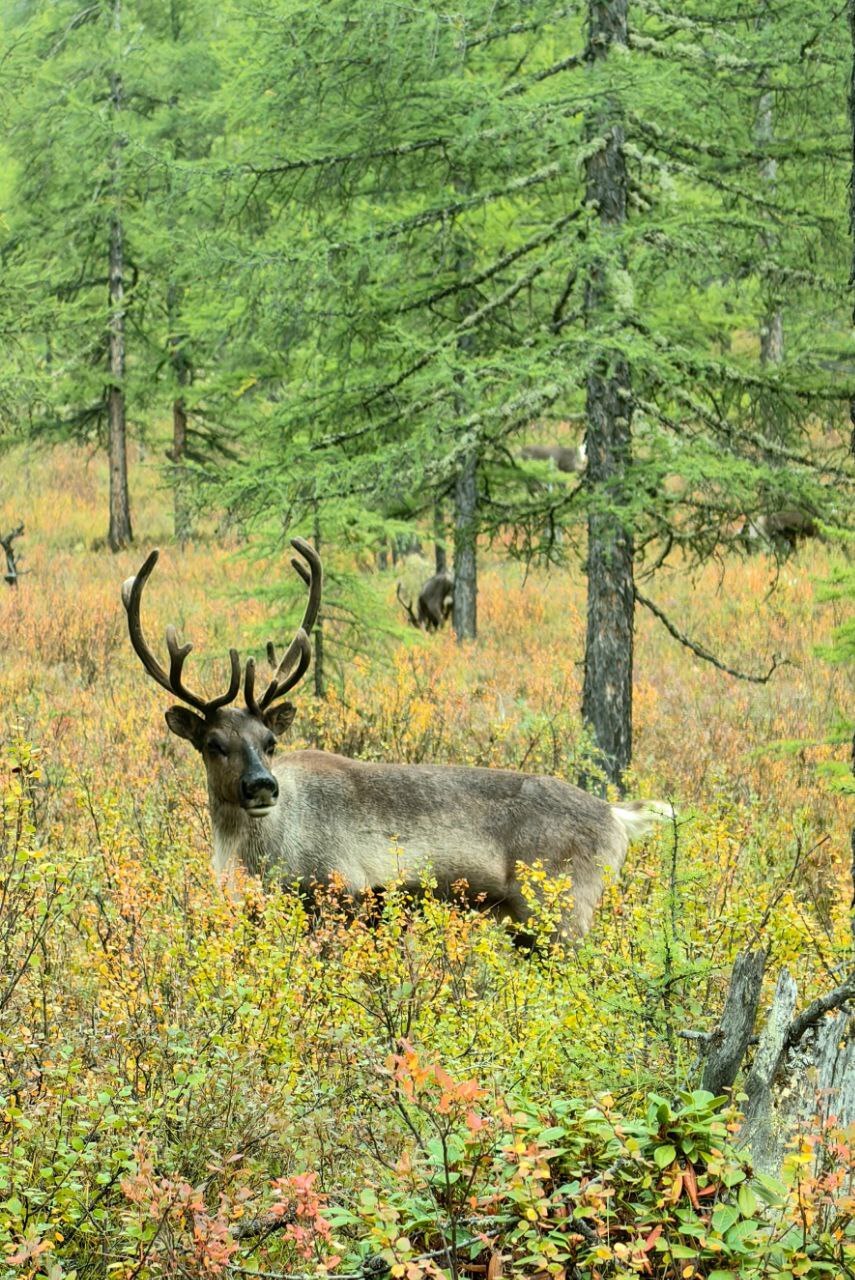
x=637, y=817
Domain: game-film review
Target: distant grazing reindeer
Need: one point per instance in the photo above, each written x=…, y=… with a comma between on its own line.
x=313, y=815
x=13, y=568
x=566, y=459
x=780, y=529
x=434, y=605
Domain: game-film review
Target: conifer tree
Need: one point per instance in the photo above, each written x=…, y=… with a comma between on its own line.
x=616, y=222
x=96, y=140
x=372, y=244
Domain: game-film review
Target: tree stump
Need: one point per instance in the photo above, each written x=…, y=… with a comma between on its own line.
x=803, y=1071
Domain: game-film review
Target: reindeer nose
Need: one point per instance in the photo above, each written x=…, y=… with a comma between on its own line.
x=256, y=784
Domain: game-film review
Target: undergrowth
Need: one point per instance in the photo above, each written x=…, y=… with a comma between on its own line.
x=194, y=1085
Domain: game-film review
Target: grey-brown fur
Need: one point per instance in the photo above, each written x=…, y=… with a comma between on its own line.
x=572, y=460
x=435, y=603
x=372, y=824
x=311, y=815
x=781, y=529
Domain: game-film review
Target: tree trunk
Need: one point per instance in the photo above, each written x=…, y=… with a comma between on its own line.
x=803, y=1069
x=851, y=16
x=179, y=361
x=607, y=690
x=728, y=1043
x=320, y=685
x=178, y=454
x=440, y=553
x=464, y=609
x=119, y=533
x=464, y=613
x=181, y=507
x=772, y=324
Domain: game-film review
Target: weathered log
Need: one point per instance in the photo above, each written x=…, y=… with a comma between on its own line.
x=803, y=1071
x=766, y=1127
x=726, y=1046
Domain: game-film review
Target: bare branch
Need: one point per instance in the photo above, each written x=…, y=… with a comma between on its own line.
x=700, y=652
x=818, y=1009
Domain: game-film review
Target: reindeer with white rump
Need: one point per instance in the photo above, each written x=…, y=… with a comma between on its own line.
x=312, y=815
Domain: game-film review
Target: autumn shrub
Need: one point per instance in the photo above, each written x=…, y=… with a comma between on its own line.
x=196, y=1085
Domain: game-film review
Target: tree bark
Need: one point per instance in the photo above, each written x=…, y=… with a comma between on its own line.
x=772, y=324
x=178, y=454
x=119, y=534
x=320, y=685
x=464, y=612
x=440, y=552
x=607, y=689
x=803, y=1069
x=851, y=104
x=180, y=362
x=464, y=609
x=728, y=1043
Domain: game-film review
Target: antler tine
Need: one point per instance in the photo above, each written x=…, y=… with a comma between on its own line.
x=299, y=652
x=132, y=590
x=177, y=654
x=409, y=607
x=234, y=684
x=295, y=661
x=313, y=578
x=249, y=689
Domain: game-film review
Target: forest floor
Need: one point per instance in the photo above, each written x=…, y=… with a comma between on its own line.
x=197, y=1085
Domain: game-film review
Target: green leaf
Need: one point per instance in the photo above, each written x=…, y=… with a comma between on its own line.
x=665, y=1155
x=724, y=1216
x=770, y=1189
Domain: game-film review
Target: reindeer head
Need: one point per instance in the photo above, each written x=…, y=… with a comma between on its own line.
x=236, y=744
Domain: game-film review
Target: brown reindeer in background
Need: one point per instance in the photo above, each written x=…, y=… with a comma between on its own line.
x=434, y=605
x=779, y=530
x=308, y=816
x=570, y=460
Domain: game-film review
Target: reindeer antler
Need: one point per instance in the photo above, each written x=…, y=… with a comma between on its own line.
x=294, y=663
x=409, y=608
x=132, y=590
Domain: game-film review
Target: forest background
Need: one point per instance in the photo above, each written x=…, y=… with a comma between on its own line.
x=274, y=268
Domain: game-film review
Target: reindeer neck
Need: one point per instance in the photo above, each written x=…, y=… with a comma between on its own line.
x=239, y=839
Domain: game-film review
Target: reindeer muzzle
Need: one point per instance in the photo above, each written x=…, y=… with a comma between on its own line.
x=258, y=793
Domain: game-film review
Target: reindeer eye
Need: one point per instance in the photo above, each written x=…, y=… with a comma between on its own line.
x=217, y=747
x=270, y=746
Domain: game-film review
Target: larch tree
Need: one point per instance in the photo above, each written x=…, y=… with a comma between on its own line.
x=607, y=690
x=69, y=138
x=370, y=245
x=97, y=210
x=618, y=259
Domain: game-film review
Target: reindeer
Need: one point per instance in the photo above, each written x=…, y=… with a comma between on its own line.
x=780, y=530
x=311, y=816
x=435, y=603
x=566, y=459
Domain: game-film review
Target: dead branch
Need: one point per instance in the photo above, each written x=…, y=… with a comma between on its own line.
x=700, y=652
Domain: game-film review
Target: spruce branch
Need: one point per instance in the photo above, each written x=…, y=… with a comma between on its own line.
x=564, y=64
x=454, y=335
x=539, y=241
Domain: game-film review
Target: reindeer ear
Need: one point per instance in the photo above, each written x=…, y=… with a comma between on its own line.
x=280, y=718
x=186, y=724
